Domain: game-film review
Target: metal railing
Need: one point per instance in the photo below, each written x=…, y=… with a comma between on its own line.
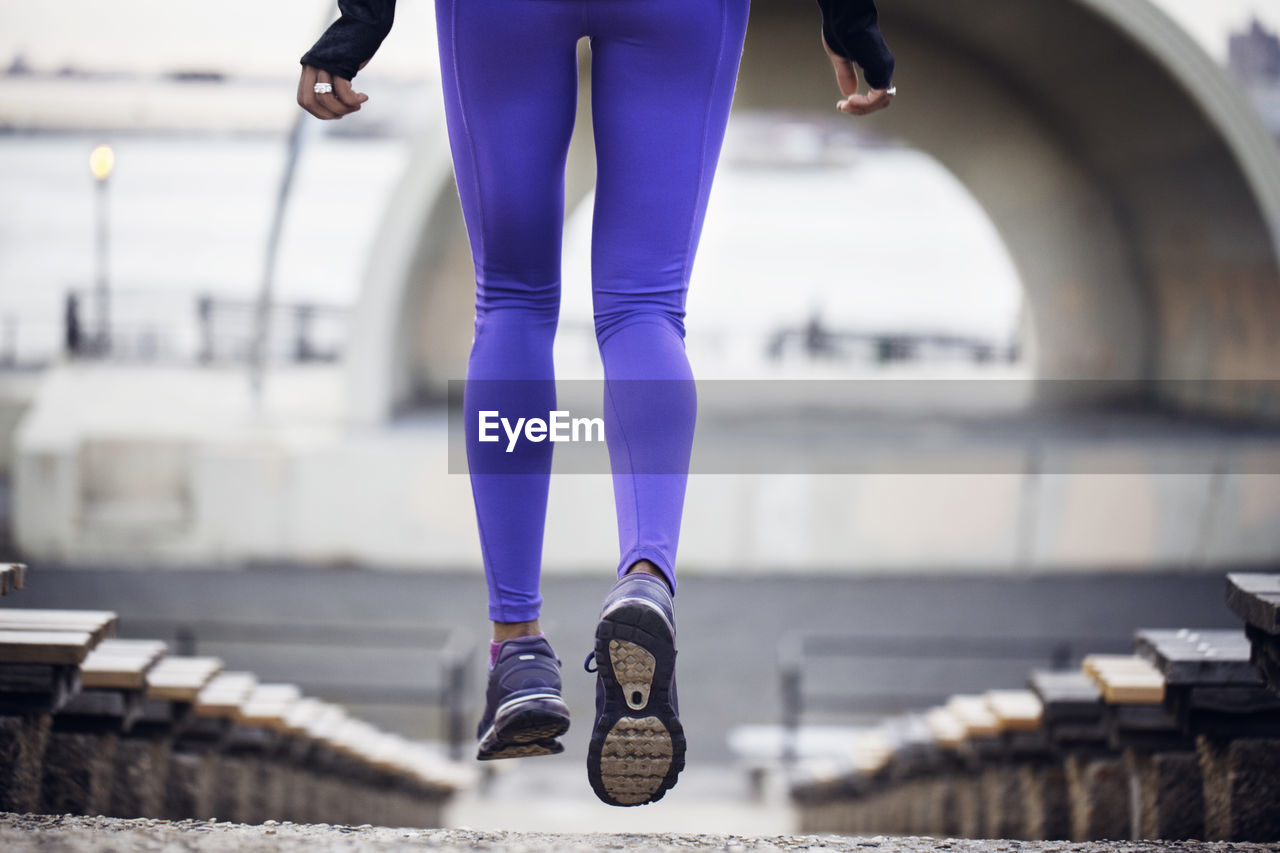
x=452, y=653
x=817, y=341
x=798, y=650
x=165, y=327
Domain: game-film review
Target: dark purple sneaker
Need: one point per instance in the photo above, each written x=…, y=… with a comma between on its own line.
x=637, y=747
x=523, y=713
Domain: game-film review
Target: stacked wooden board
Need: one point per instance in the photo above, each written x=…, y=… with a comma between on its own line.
x=93, y=724
x=1180, y=740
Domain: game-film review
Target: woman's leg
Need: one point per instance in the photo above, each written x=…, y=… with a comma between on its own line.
x=510, y=78
x=663, y=76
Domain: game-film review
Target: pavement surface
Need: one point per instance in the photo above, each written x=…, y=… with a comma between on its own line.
x=55, y=833
x=550, y=794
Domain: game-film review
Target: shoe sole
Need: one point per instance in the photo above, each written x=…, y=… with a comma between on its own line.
x=637, y=746
x=525, y=729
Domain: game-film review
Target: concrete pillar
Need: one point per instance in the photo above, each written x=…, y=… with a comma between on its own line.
x=970, y=814
x=1168, y=795
x=1002, y=801
x=268, y=803
x=1098, y=790
x=79, y=771
x=23, y=738
x=191, y=784
x=140, y=777
x=1046, y=806
x=946, y=820
x=1241, y=788
x=235, y=786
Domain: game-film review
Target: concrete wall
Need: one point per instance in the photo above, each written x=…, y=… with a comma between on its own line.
x=17, y=389
x=121, y=465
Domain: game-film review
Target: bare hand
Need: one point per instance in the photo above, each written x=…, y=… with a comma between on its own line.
x=335, y=104
x=847, y=78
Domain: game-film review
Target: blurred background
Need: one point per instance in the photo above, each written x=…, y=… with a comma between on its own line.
x=227, y=328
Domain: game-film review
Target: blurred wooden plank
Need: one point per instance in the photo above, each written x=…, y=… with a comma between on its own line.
x=51, y=647
x=1125, y=679
x=1199, y=657
x=871, y=752
x=973, y=713
x=1255, y=598
x=948, y=730
x=302, y=714
x=327, y=718
x=224, y=695
x=40, y=688
x=1015, y=710
x=99, y=623
x=1066, y=695
x=268, y=706
x=120, y=664
x=180, y=679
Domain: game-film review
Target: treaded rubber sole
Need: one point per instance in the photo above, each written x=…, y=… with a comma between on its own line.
x=637, y=746
x=528, y=730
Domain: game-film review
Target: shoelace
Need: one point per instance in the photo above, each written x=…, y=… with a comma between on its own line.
x=586, y=664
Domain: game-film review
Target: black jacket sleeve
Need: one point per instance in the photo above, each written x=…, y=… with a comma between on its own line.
x=852, y=29
x=352, y=39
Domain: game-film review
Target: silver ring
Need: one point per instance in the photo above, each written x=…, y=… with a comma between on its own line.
x=891, y=91
x=323, y=88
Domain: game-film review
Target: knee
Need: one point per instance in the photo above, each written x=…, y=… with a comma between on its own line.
x=648, y=323
x=496, y=297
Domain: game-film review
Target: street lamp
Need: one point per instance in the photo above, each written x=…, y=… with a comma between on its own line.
x=101, y=161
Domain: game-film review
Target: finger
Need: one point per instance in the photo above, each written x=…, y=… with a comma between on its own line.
x=846, y=75
x=858, y=105
x=329, y=101
x=880, y=99
x=307, y=97
x=346, y=95
x=862, y=105
x=305, y=84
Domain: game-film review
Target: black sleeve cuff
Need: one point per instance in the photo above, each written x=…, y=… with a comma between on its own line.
x=852, y=29
x=353, y=39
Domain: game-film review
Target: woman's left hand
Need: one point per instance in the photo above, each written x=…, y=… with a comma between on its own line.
x=335, y=104
x=847, y=79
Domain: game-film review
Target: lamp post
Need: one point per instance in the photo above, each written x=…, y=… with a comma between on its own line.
x=101, y=161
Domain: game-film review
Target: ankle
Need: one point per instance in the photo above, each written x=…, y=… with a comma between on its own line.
x=645, y=567
x=511, y=630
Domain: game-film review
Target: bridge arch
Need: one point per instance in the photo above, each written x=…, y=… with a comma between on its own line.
x=1136, y=191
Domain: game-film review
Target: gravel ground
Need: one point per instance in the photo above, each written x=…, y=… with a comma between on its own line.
x=56, y=833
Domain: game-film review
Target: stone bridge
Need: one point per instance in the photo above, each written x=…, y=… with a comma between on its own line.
x=1135, y=189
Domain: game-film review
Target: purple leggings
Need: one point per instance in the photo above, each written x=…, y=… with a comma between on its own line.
x=663, y=76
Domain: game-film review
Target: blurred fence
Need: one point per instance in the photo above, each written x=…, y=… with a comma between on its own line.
x=817, y=341
x=177, y=328
x=153, y=325
x=905, y=672
x=348, y=664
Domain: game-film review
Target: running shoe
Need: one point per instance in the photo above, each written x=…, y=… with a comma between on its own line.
x=524, y=713
x=637, y=747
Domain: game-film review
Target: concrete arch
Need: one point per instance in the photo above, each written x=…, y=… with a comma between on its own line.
x=1137, y=193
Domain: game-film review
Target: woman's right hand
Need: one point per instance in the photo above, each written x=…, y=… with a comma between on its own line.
x=335, y=104
x=847, y=79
